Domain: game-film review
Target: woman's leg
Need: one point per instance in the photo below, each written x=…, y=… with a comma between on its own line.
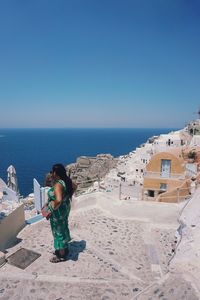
x=62, y=253
x=59, y=256
x=61, y=235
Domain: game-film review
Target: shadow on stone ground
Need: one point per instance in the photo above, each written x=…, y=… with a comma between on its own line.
x=75, y=248
x=12, y=243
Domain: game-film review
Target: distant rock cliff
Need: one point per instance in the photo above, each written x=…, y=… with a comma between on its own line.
x=88, y=169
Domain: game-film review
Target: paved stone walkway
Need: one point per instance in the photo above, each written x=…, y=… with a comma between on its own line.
x=110, y=258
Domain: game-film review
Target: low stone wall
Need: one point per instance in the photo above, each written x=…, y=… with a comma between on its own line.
x=10, y=227
x=2, y=259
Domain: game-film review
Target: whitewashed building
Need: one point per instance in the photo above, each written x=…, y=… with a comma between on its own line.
x=165, y=142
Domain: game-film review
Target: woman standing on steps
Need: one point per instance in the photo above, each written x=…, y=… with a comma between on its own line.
x=59, y=196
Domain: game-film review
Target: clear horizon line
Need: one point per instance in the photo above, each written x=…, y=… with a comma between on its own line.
x=9, y=128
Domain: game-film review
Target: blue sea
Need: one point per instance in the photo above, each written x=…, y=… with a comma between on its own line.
x=34, y=151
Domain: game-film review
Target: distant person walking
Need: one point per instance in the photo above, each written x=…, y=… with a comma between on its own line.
x=59, y=196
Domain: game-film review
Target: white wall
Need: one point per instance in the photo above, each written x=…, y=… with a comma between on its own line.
x=10, y=227
x=9, y=195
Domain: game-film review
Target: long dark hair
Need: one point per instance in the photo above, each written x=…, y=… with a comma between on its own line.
x=60, y=171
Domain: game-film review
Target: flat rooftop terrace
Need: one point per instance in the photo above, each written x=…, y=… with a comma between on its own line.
x=118, y=250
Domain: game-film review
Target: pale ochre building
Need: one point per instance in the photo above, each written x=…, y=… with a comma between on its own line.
x=168, y=176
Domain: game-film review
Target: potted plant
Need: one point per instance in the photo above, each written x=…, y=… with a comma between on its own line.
x=191, y=156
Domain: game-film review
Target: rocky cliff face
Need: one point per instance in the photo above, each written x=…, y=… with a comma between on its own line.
x=88, y=169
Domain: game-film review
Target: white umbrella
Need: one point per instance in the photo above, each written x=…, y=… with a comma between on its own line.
x=12, y=179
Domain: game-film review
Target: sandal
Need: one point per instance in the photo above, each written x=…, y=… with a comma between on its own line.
x=56, y=259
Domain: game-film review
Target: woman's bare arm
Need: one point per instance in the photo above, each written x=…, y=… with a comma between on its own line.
x=58, y=190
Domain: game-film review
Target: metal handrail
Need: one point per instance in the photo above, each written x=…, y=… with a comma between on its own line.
x=161, y=175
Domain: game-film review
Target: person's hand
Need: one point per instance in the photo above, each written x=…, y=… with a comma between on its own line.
x=48, y=216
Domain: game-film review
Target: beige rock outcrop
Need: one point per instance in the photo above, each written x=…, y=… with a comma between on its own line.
x=88, y=169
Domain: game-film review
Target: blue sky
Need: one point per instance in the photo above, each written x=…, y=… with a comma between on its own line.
x=89, y=63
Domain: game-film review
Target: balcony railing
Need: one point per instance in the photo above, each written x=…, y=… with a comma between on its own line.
x=150, y=174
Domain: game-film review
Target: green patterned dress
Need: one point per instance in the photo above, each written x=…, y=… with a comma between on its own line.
x=59, y=218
